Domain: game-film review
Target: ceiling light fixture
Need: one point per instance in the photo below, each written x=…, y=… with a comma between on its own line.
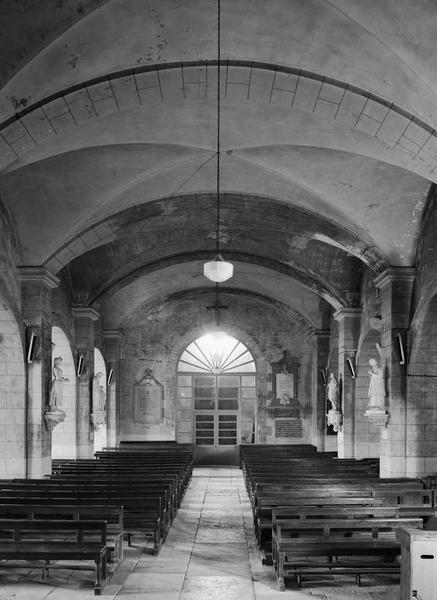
x=218, y=270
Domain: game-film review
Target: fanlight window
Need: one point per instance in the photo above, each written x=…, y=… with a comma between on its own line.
x=216, y=353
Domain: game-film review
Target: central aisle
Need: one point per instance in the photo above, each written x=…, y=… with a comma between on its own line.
x=211, y=553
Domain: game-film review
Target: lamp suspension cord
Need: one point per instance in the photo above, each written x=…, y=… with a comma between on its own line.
x=217, y=240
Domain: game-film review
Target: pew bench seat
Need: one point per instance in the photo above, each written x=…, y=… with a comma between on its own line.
x=355, y=569
x=51, y=541
x=293, y=554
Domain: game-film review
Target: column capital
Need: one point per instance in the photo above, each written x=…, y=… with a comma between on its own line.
x=112, y=335
x=399, y=274
x=318, y=334
x=38, y=276
x=85, y=312
x=347, y=313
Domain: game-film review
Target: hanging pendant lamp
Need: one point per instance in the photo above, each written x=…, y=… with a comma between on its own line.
x=218, y=270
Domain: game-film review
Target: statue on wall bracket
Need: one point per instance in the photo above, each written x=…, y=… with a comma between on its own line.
x=98, y=416
x=148, y=400
x=54, y=413
x=335, y=416
x=376, y=412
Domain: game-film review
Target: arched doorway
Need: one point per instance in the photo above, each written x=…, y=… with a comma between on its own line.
x=100, y=435
x=217, y=391
x=64, y=434
x=12, y=396
x=367, y=435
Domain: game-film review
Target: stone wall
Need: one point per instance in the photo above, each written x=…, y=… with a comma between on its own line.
x=9, y=286
x=426, y=260
x=154, y=338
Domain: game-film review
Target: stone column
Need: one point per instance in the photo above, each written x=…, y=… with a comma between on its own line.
x=84, y=319
x=397, y=455
x=36, y=288
x=112, y=342
x=320, y=352
x=349, y=324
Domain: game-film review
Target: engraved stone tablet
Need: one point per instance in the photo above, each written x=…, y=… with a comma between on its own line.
x=148, y=400
x=289, y=428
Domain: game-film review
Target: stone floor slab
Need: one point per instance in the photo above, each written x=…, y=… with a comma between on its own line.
x=153, y=582
x=217, y=588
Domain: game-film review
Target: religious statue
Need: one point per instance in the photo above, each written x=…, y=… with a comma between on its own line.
x=376, y=386
x=99, y=394
x=55, y=401
x=332, y=390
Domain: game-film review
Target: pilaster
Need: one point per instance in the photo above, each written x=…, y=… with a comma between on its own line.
x=84, y=320
x=320, y=352
x=396, y=286
x=349, y=324
x=112, y=343
x=37, y=285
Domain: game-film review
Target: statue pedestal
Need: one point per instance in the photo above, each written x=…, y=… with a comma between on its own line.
x=98, y=418
x=335, y=418
x=53, y=418
x=377, y=416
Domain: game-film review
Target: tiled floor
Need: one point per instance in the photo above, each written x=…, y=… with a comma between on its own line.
x=209, y=554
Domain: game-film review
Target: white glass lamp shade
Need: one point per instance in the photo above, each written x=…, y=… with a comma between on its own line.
x=218, y=270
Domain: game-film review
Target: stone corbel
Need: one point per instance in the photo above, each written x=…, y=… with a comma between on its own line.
x=377, y=416
x=53, y=418
x=98, y=418
x=335, y=418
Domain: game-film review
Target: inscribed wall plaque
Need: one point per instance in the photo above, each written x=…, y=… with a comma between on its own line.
x=148, y=400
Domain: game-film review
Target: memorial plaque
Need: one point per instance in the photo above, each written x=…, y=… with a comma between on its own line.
x=290, y=428
x=148, y=400
x=284, y=381
x=140, y=404
x=285, y=385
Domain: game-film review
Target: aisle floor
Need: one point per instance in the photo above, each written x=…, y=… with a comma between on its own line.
x=209, y=554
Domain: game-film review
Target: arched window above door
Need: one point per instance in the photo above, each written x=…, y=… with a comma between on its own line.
x=216, y=353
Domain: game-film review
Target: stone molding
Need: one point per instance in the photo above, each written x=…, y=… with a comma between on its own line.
x=85, y=312
x=402, y=274
x=38, y=275
x=347, y=313
x=53, y=418
x=116, y=335
x=318, y=334
x=377, y=416
x=335, y=418
x=97, y=418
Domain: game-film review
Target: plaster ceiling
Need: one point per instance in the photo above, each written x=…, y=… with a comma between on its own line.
x=328, y=143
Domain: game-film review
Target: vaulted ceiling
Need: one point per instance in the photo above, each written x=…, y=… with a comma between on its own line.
x=108, y=138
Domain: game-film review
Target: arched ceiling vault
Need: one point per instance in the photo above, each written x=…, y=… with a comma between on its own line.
x=172, y=281
x=321, y=254
x=108, y=137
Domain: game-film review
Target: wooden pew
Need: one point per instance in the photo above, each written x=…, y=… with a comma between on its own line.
x=296, y=540
x=104, y=487
x=38, y=540
x=422, y=505
x=112, y=515
x=266, y=504
x=142, y=515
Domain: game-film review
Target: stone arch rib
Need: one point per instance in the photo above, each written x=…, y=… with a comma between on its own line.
x=379, y=117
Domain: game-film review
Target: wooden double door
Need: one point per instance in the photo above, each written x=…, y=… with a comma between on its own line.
x=216, y=437
x=216, y=426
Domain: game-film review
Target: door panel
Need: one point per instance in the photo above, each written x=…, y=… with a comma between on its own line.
x=217, y=402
